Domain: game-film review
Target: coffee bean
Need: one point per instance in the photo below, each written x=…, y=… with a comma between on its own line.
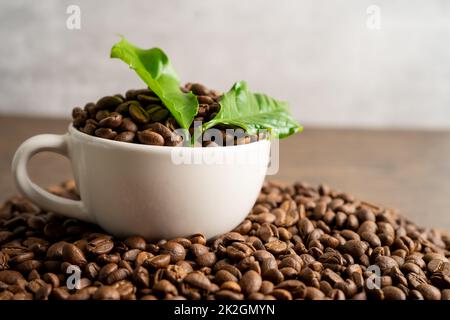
x=251, y=282
x=150, y=137
x=22, y=257
x=429, y=292
x=206, y=260
x=438, y=265
x=28, y=266
x=60, y=294
x=159, y=116
x=100, y=245
x=100, y=115
x=165, y=287
x=276, y=247
x=148, y=98
x=393, y=293
x=126, y=136
x=117, y=275
x=105, y=133
x=11, y=277
x=366, y=214
x=230, y=285
x=198, y=279
x=108, y=102
x=305, y=227
x=434, y=255
x=446, y=294
x=106, y=270
x=106, y=293
x=53, y=230
x=92, y=269
x=386, y=263
x=175, y=250
x=51, y=279
x=356, y=248
x=228, y=295
x=113, y=120
x=199, y=89
x=287, y=248
x=415, y=295
x=225, y=276
x=135, y=242
x=138, y=114
x=73, y=255
x=157, y=262
x=314, y=294
x=128, y=125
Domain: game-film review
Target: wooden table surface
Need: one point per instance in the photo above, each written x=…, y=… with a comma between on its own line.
x=407, y=170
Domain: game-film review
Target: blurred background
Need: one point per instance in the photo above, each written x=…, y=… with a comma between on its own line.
x=351, y=63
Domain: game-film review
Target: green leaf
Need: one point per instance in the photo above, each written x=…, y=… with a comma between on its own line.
x=154, y=68
x=254, y=111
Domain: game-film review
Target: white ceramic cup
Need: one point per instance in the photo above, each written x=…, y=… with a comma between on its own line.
x=132, y=189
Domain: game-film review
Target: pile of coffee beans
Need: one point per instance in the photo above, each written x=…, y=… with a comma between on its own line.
x=141, y=117
x=298, y=242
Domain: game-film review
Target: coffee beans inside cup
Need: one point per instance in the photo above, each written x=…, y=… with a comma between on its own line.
x=298, y=242
x=141, y=117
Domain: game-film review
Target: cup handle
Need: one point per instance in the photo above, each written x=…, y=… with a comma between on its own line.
x=46, y=200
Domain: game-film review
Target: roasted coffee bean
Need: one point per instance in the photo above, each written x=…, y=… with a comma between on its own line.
x=79, y=117
x=92, y=269
x=11, y=277
x=100, y=245
x=198, y=280
x=22, y=257
x=159, y=116
x=165, y=287
x=166, y=133
x=126, y=136
x=313, y=293
x=73, y=255
x=150, y=137
x=54, y=230
x=60, y=294
x=135, y=243
x=108, y=102
x=225, y=276
x=106, y=270
x=113, y=120
x=206, y=260
x=199, y=89
x=100, y=115
x=117, y=275
x=429, y=292
x=105, y=133
x=106, y=293
x=145, y=98
x=438, y=265
x=175, y=250
x=393, y=293
x=138, y=114
x=52, y=279
x=356, y=248
x=386, y=263
x=446, y=294
x=276, y=247
x=251, y=282
x=128, y=125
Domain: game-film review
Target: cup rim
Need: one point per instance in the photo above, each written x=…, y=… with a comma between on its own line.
x=144, y=147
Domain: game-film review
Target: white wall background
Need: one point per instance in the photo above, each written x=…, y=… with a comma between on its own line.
x=318, y=55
